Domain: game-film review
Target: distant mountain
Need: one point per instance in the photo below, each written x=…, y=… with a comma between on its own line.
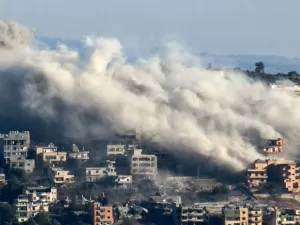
x=273, y=64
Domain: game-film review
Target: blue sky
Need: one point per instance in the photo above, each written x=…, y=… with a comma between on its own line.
x=268, y=27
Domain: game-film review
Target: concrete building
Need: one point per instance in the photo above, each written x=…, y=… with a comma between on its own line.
x=54, y=157
x=41, y=194
x=94, y=174
x=285, y=172
x=21, y=163
x=16, y=144
x=25, y=209
x=143, y=166
x=242, y=215
x=60, y=176
x=124, y=181
x=284, y=217
x=79, y=155
x=133, y=136
x=258, y=174
x=193, y=214
x=42, y=149
x=102, y=215
x=115, y=149
x=273, y=148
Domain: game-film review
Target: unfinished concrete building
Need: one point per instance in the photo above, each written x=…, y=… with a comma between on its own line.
x=22, y=163
x=16, y=144
x=273, y=148
x=133, y=136
x=143, y=166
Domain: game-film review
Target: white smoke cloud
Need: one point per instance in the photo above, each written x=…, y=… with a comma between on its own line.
x=213, y=114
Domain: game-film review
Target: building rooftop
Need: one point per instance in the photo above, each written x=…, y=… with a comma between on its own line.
x=39, y=188
x=17, y=135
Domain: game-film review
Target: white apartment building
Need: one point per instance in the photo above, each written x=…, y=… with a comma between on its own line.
x=143, y=166
x=97, y=173
x=41, y=194
x=26, y=209
x=16, y=144
x=60, y=176
x=77, y=154
x=124, y=181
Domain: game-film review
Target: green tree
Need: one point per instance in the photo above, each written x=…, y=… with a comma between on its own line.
x=259, y=67
x=19, y=173
x=42, y=218
x=6, y=214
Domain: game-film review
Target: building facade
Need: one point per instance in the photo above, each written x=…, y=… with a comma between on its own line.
x=42, y=194
x=41, y=149
x=284, y=217
x=79, y=155
x=124, y=181
x=21, y=163
x=16, y=144
x=25, y=209
x=54, y=157
x=274, y=148
x=102, y=215
x=115, y=149
x=94, y=174
x=60, y=176
x=143, y=166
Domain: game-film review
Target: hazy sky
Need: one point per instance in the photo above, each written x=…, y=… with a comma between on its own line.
x=224, y=26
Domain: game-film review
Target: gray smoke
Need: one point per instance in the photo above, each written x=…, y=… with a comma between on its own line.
x=181, y=106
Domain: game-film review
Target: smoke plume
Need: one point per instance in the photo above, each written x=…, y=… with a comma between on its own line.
x=216, y=115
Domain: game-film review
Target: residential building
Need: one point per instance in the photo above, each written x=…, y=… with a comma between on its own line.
x=284, y=217
x=143, y=166
x=16, y=144
x=193, y=214
x=115, y=149
x=242, y=215
x=54, y=157
x=285, y=172
x=102, y=215
x=94, y=174
x=2, y=178
x=133, y=136
x=124, y=181
x=21, y=163
x=60, y=176
x=26, y=209
x=273, y=148
x=258, y=174
x=22, y=209
x=79, y=155
x=42, y=149
x=41, y=194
